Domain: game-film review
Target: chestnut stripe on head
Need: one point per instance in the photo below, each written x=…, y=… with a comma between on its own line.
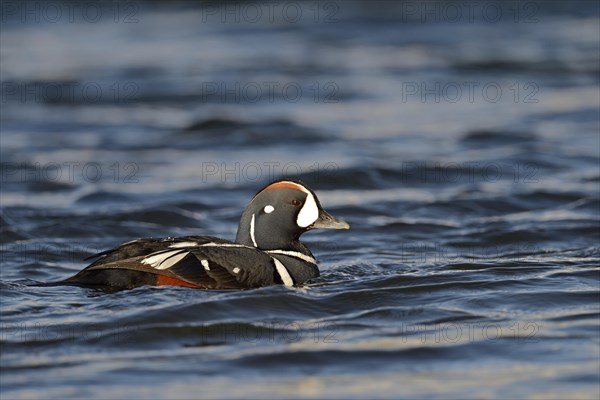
x=285, y=184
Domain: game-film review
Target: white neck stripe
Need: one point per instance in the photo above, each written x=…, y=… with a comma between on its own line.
x=252, y=231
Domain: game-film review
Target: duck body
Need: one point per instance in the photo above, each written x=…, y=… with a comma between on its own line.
x=267, y=249
x=195, y=261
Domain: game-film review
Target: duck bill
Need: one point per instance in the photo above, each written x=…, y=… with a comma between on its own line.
x=326, y=221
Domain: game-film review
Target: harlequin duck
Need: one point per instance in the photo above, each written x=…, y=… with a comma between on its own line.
x=266, y=251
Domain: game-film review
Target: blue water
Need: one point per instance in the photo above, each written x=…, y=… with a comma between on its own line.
x=462, y=146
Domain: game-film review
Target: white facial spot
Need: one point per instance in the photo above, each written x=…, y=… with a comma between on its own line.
x=308, y=213
x=269, y=209
x=205, y=264
x=236, y=270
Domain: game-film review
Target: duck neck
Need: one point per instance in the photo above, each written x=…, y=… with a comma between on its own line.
x=247, y=234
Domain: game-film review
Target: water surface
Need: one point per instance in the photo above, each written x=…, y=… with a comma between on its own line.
x=464, y=153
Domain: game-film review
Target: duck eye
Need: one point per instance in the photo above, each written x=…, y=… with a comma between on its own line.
x=296, y=202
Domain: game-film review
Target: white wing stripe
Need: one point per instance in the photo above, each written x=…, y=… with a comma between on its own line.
x=283, y=272
x=165, y=259
x=205, y=264
x=183, y=244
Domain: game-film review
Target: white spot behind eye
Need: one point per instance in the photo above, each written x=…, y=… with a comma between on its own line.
x=269, y=209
